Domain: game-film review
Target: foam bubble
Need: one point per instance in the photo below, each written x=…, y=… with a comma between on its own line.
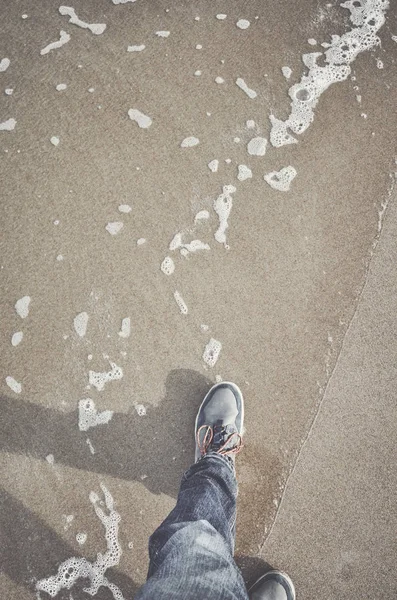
x=96, y=28
x=162, y=34
x=257, y=146
x=81, y=538
x=114, y=227
x=221, y=16
x=281, y=180
x=243, y=86
x=189, y=142
x=219, y=80
x=136, y=48
x=250, y=124
x=63, y=39
x=8, y=125
x=80, y=323
x=125, y=208
x=17, y=338
x=91, y=447
x=22, y=306
x=141, y=241
x=211, y=352
x=244, y=173
x=90, y=417
x=379, y=63
x=197, y=73
x=60, y=87
x=213, y=165
x=54, y=140
x=222, y=206
x=50, y=459
x=312, y=42
x=9, y=91
x=287, y=72
x=243, y=24
x=125, y=328
x=167, y=266
x=180, y=302
x=4, y=64
x=140, y=409
x=122, y=1
x=199, y=47
x=98, y=379
x=75, y=568
x=142, y=120
x=13, y=384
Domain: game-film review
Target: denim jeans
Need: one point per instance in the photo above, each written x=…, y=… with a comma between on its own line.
x=191, y=553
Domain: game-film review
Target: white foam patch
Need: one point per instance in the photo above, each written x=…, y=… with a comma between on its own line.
x=197, y=73
x=243, y=24
x=125, y=208
x=63, y=39
x=394, y=38
x=141, y=241
x=50, y=459
x=221, y=16
x=244, y=173
x=250, y=124
x=90, y=417
x=96, y=28
x=211, y=352
x=257, y=146
x=75, y=568
x=91, y=447
x=17, y=338
x=13, y=384
x=4, y=64
x=80, y=323
x=222, y=206
x=312, y=42
x=189, y=142
x=379, y=63
x=54, y=140
x=81, y=538
x=138, y=48
x=114, y=227
x=219, y=80
x=140, y=409
x=143, y=121
x=199, y=47
x=167, y=266
x=98, y=379
x=162, y=34
x=9, y=91
x=125, y=328
x=60, y=87
x=176, y=241
x=243, y=86
x=281, y=180
x=122, y=1
x=180, y=303
x=201, y=216
x=194, y=246
x=367, y=17
x=287, y=72
x=213, y=165
x=8, y=125
x=22, y=306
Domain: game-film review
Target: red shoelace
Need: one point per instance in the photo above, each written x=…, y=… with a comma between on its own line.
x=205, y=443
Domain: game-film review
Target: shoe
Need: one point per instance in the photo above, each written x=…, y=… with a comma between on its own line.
x=273, y=585
x=219, y=421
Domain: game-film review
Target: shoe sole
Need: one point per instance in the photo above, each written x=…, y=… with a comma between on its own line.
x=234, y=387
x=274, y=571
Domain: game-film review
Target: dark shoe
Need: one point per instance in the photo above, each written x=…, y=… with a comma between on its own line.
x=219, y=422
x=273, y=585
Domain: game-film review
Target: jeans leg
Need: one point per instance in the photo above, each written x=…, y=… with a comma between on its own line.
x=191, y=553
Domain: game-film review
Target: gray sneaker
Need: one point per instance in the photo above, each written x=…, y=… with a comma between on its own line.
x=273, y=585
x=219, y=421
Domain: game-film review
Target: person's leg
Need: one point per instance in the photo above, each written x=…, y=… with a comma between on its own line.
x=191, y=553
